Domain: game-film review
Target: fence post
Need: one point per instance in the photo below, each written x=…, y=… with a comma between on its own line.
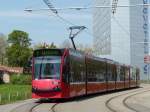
x=9, y=97
x=0, y=98
x=25, y=95
x=17, y=94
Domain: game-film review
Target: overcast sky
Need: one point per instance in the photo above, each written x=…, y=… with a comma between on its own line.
x=43, y=26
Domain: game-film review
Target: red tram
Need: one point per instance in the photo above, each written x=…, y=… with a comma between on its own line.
x=65, y=73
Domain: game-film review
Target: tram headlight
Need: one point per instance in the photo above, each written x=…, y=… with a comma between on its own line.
x=55, y=82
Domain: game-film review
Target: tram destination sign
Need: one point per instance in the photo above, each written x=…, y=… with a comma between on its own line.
x=47, y=52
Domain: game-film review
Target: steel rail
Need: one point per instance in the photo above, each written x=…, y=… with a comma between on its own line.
x=107, y=103
x=53, y=107
x=127, y=98
x=31, y=110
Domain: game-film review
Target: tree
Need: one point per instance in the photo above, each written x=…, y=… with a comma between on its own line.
x=3, y=45
x=19, y=49
x=52, y=45
x=45, y=45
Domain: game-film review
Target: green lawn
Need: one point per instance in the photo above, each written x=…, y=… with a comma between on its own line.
x=11, y=93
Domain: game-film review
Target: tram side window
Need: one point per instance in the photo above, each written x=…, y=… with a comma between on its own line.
x=113, y=72
x=83, y=74
x=91, y=77
x=71, y=75
x=89, y=72
x=71, y=71
x=96, y=71
x=77, y=71
x=126, y=74
x=110, y=73
x=82, y=71
x=118, y=73
x=102, y=72
x=100, y=77
x=137, y=74
x=122, y=74
x=133, y=74
x=66, y=70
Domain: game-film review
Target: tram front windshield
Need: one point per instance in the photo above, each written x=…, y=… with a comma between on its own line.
x=47, y=67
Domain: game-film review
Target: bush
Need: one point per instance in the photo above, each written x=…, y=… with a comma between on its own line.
x=21, y=79
x=1, y=81
x=1, y=78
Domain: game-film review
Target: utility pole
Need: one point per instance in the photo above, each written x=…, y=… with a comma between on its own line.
x=72, y=34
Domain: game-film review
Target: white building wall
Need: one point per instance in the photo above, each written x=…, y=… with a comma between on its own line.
x=112, y=36
x=116, y=37
x=138, y=48
x=101, y=26
x=120, y=33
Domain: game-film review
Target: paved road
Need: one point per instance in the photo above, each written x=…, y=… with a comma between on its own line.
x=113, y=102
x=10, y=107
x=140, y=102
x=134, y=100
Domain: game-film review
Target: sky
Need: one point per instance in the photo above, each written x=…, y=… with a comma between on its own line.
x=43, y=26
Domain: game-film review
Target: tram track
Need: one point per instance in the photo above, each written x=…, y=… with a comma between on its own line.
x=31, y=110
x=25, y=107
x=111, y=108
x=53, y=107
x=107, y=103
x=127, y=98
x=35, y=107
x=50, y=109
x=48, y=106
